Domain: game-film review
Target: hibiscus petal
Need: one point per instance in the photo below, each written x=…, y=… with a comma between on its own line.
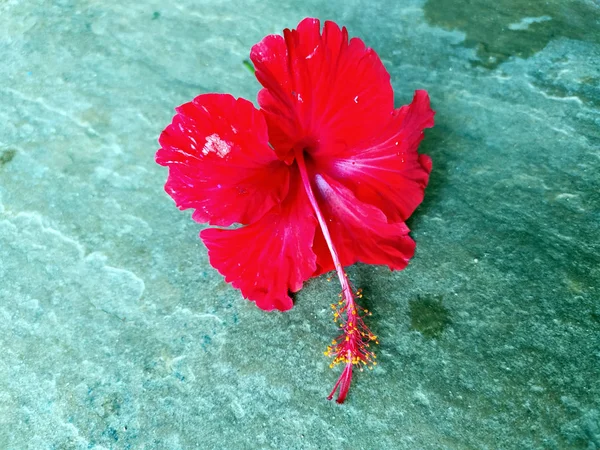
x=320, y=90
x=220, y=162
x=270, y=257
x=386, y=170
x=360, y=232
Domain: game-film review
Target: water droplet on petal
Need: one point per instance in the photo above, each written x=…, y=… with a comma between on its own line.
x=396, y=143
x=356, y=99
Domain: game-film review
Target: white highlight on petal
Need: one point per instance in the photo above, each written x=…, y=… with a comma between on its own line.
x=313, y=52
x=214, y=144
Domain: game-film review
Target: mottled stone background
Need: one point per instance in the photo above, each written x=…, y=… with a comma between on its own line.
x=115, y=333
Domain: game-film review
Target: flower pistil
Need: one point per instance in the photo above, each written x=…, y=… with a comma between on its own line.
x=352, y=346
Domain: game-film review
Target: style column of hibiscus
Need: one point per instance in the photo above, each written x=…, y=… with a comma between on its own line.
x=323, y=175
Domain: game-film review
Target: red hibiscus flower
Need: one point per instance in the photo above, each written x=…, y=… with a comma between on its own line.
x=322, y=176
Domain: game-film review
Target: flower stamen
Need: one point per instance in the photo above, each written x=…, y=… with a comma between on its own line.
x=351, y=346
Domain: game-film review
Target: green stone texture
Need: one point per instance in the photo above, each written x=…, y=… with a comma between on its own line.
x=115, y=331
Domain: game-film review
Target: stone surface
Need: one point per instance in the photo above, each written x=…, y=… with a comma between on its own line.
x=117, y=334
